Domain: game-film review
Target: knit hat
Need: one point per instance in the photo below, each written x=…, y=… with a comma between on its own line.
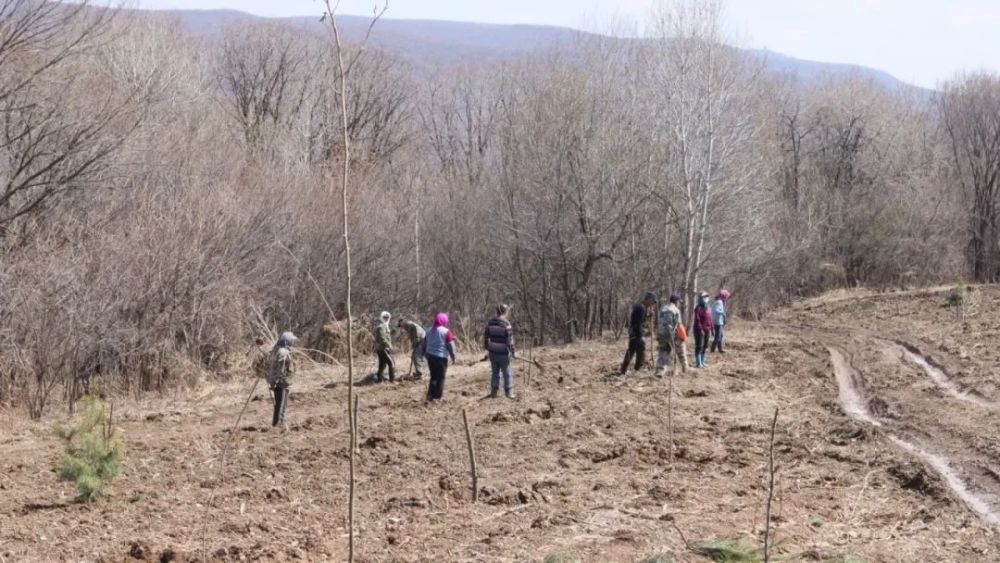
x=650, y=296
x=287, y=339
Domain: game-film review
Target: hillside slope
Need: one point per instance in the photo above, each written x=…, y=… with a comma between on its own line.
x=581, y=464
x=428, y=44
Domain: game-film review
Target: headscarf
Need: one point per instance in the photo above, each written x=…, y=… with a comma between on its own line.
x=441, y=320
x=286, y=340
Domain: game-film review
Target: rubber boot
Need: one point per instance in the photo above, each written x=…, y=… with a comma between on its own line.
x=704, y=360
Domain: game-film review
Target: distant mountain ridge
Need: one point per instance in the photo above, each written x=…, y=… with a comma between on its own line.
x=434, y=43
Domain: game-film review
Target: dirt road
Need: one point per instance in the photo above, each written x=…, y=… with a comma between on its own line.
x=869, y=458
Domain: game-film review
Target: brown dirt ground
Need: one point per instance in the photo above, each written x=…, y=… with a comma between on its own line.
x=579, y=464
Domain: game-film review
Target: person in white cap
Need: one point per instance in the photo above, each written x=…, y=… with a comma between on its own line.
x=279, y=378
x=383, y=347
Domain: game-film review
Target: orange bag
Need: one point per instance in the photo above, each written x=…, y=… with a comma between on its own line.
x=682, y=333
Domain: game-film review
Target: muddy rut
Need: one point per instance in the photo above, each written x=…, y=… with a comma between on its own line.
x=944, y=430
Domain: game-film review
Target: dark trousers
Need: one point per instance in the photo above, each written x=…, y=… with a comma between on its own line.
x=720, y=331
x=700, y=341
x=280, y=400
x=385, y=360
x=438, y=368
x=637, y=348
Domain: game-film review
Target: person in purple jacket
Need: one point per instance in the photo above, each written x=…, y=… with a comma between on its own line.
x=703, y=324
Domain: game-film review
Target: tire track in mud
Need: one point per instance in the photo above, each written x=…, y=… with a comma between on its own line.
x=937, y=374
x=852, y=400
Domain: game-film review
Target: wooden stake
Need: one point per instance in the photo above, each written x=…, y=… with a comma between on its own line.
x=770, y=493
x=354, y=423
x=472, y=456
x=670, y=411
x=531, y=349
x=232, y=437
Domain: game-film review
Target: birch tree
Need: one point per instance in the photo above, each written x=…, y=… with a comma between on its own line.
x=706, y=88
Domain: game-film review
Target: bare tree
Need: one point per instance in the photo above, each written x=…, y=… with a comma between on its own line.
x=970, y=107
x=263, y=76
x=707, y=86
x=342, y=71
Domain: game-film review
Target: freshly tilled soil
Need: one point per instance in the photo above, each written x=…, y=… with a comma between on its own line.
x=580, y=463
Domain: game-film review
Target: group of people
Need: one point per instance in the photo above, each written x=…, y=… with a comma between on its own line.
x=432, y=348
x=709, y=325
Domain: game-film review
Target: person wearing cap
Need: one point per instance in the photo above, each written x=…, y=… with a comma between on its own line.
x=416, y=334
x=703, y=324
x=279, y=378
x=638, y=329
x=719, y=316
x=668, y=339
x=383, y=347
x=498, y=339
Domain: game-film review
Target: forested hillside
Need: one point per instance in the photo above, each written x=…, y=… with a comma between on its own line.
x=167, y=195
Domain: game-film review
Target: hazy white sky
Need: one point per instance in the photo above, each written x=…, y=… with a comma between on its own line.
x=920, y=41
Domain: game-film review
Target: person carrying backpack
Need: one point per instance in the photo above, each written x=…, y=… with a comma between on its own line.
x=669, y=341
x=279, y=378
x=720, y=317
x=703, y=324
x=498, y=339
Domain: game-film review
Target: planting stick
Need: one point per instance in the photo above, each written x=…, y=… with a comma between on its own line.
x=354, y=436
x=770, y=493
x=472, y=456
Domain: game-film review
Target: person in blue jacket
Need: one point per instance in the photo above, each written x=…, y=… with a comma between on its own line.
x=719, y=316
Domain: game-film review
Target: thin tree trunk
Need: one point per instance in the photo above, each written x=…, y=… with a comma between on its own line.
x=416, y=238
x=472, y=456
x=770, y=493
x=345, y=216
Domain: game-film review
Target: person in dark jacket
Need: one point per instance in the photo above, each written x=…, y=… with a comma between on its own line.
x=703, y=325
x=638, y=330
x=498, y=339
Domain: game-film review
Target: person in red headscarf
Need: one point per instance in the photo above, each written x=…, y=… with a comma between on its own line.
x=439, y=345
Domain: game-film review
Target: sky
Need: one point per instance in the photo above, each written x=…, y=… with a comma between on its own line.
x=920, y=41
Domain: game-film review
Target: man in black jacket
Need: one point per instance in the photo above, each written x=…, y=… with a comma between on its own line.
x=638, y=329
x=499, y=342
